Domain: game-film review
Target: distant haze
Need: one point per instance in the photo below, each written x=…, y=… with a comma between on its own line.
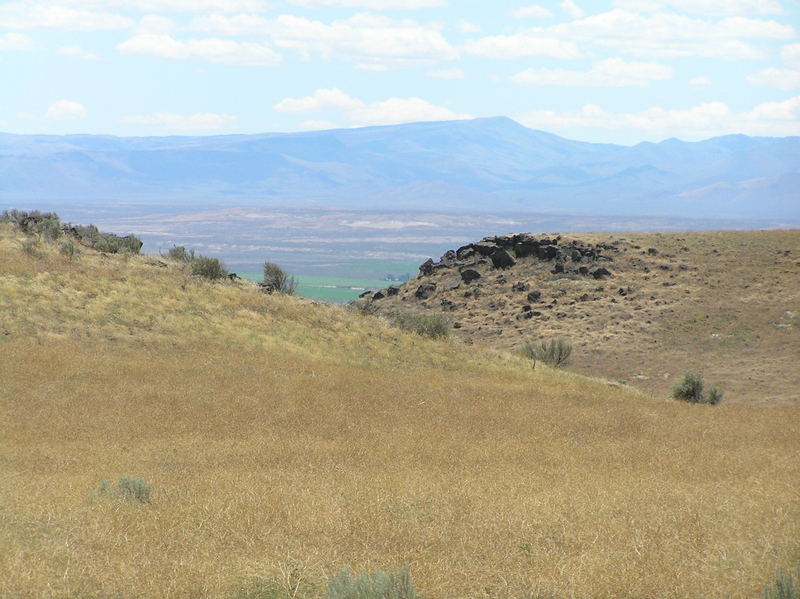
x=492, y=164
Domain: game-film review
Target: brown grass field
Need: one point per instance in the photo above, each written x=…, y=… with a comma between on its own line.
x=286, y=440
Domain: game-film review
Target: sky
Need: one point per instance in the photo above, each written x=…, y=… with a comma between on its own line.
x=618, y=71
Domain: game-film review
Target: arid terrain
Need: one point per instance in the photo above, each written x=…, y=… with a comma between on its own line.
x=726, y=304
x=282, y=440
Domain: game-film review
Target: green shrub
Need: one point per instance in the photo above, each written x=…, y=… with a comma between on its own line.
x=178, y=253
x=714, y=396
x=210, y=268
x=46, y=224
x=395, y=584
x=784, y=587
x=434, y=326
x=128, y=488
x=555, y=352
x=69, y=249
x=31, y=247
x=277, y=280
x=690, y=388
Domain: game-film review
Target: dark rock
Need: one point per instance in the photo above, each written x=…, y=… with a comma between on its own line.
x=520, y=286
x=584, y=270
x=546, y=252
x=502, y=259
x=501, y=280
x=448, y=259
x=468, y=275
x=601, y=273
x=378, y=295
x=456, y=325
x=427, y=267
x=448, y=305
x=232, y=276
x=534, y=296
x=452, y=286
x=392, y=290
x=425, y=290
x=558, y=268
x=622, y=292
x=486, y=248
x=365, y=294
x=584, y=298
x=652, y=252
x=527, y=308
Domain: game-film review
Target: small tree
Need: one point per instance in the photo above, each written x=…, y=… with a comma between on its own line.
x=179, y=253
x=277, y=280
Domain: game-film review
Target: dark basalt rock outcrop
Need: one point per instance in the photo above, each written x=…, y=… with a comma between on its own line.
x=425, y=290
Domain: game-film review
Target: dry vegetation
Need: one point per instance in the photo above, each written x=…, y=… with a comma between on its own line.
x=723, y=303
x=285, y=439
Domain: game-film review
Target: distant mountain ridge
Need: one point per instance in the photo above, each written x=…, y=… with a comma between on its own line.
x=482, y=164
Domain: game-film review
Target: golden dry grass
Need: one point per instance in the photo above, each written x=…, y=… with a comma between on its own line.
x=279, y=434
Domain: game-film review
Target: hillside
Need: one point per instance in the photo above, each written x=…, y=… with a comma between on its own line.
x=284, y=440
x=725, y=304
x=492, y=164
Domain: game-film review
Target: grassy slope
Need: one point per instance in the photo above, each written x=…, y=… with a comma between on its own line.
x=280, y=434
x=724, y=303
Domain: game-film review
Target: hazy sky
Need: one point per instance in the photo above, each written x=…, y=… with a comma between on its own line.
x=613, y=70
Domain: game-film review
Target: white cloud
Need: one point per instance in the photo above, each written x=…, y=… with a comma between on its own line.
x=572, y=9
x=362, y=38
x=34, y=15
x=522, y=45
x=468, y=26
x=172, y=6
x=534, y=11
x=360, y=113
x=207, y=121
x=15, y=41
x=447, y=74
x=77, y=52
x=670, y=35
x=718, y=8
x=211, y=49
x=65, y=110
x=785, y=79
x=155, y=24
x=612, y=72
x=700, y=81
x=371, y=4
x=791, y=55
x=699, y=122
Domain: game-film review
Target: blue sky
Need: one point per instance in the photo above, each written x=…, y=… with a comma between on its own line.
x=617, y=71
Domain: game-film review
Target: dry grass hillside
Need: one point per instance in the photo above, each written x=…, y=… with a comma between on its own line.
x=726, y=304
x=284, y=440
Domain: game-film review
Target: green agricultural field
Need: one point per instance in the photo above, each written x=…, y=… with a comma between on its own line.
x=329, y=289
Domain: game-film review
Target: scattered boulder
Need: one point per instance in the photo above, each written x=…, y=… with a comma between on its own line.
x=425, y=290
x=534, y=296
x=520, y=286
x=392, y=290
x=502, y=259
x=378, y=295
x=601, y=273
x=468, y=275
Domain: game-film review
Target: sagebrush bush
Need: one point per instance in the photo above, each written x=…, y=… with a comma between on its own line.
x=784, y=587
x=690, y=388
x=46, y=224
x=30, y=247
x=277, y=280
x=394, y=584
x=555, y=352
x=128, y=488
x=110, y=243
x=434, y=326
x=178, y=253
x=210, y=268
x=69, y=249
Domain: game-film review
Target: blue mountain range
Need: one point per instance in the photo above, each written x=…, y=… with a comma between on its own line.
x=491, y=164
